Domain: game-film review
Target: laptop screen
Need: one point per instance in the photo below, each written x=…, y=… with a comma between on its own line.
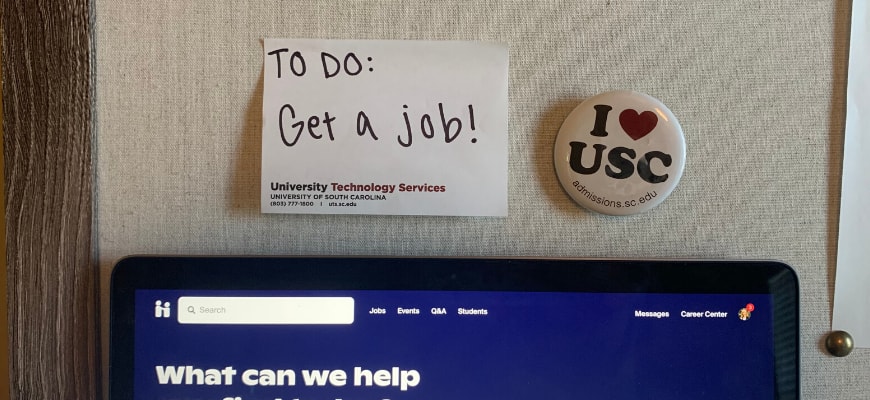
x=487, y=338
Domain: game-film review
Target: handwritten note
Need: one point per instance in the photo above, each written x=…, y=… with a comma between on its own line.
x=384, y=127
x=851, y=296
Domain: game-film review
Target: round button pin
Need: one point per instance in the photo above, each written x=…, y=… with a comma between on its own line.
x=620, y=153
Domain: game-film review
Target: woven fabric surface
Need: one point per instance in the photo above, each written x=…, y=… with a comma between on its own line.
x=758, y=89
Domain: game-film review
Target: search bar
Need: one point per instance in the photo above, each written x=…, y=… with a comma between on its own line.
x=265, y=310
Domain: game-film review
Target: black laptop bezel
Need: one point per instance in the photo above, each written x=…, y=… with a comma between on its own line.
x=454, y=274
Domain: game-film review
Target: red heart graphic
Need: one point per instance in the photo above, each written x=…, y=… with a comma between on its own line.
x=637, y=125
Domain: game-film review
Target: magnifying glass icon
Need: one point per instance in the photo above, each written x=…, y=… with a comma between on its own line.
x=191, y=310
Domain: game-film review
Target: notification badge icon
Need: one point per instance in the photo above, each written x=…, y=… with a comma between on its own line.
x=746, y=312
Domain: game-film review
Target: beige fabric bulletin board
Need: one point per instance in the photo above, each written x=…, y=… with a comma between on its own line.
x=759, y=88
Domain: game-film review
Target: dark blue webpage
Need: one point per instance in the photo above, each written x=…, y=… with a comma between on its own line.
x=418, y=345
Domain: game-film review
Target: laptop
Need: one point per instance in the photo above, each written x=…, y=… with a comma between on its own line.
x=445, y=328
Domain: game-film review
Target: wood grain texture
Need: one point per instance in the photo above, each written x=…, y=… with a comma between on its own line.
x=52, y=277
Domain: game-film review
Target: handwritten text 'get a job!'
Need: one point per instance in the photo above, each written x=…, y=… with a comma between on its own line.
x=446, y=122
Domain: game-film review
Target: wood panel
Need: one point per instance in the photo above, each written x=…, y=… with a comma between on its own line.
x=4, y=324
x=52, y=276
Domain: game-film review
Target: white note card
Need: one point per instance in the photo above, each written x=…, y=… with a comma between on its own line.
x=393, y=127
x=851, y=294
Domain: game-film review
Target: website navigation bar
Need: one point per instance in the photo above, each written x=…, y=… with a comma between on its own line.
x=438, y=311
x=696, y=314
x=342, y=310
